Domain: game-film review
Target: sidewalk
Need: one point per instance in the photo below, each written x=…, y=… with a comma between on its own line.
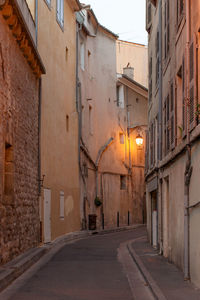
x=165, y=280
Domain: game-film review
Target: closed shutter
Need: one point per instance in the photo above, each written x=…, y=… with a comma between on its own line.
x=172, y=116
x=183, y=98
x=164, y=129
x=192, y=83
x=168, y=123
x=147, y=151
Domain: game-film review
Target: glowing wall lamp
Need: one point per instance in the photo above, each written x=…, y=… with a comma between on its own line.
x=139, y=140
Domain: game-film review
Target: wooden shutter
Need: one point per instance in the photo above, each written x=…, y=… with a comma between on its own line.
x=183, y=98
x=147, y=151
x=167, y=123
x=192, y=83
x=164, y=129
x=172, y=116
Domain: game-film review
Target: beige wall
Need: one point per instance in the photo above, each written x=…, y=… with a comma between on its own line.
x=59, y=145
x=137, y=56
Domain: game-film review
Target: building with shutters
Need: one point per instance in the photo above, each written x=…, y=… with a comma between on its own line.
x=173, y=147
x=20, y=71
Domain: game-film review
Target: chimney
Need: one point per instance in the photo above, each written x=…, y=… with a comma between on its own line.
x=129, y=71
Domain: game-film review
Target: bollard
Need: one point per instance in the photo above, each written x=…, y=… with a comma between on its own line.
x=128, y=218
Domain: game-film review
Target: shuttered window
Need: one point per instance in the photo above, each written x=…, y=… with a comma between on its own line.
x=157, y=57
x=166, y=29
x=172, y=116
x=60, y=12
x=152, y=144
x=192, y=83
x=169, y=120
x=150, y=80
x=183, y=97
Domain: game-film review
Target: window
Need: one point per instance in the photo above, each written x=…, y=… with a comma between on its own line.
x=122, y=182
x=8, y=170
x=193, y=54
x=120, y=96
x=152, y=144
x=60, y=12
x=150, y=80
x=121, y=138
x=157, y=57
x=166, y=29
x=62, y=205
x=67, y=123
x=169, y=120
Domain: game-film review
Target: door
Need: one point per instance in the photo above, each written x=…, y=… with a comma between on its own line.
x=154, y=217
x=47, y=215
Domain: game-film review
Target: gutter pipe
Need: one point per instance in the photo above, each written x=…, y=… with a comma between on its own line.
x=160, y=96
x=188, y=168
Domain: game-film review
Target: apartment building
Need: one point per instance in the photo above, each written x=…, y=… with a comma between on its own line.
x=172, y=168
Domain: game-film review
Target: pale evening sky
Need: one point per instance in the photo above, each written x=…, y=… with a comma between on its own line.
x=124, y=17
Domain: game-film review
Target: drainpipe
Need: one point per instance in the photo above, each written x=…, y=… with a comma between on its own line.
x=188, y=168
x=160, y=95
x=160, y=82
x=36, y=22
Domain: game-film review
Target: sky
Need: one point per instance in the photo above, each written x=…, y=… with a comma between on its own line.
x=124, y=17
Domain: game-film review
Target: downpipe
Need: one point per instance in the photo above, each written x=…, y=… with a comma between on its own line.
x=188, y=168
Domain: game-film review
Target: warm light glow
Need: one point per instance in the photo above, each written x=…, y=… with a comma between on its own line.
x=139, y=140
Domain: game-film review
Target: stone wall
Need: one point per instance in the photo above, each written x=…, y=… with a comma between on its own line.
x=19, y=208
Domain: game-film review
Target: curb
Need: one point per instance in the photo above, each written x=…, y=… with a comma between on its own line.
x=13, y=269
x=156, y=291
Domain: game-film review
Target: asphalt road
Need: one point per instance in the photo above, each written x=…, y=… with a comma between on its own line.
x=87, y=269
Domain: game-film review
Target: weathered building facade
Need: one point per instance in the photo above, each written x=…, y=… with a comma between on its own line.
x=107, y=145
x=20, y=69
x=173, y=142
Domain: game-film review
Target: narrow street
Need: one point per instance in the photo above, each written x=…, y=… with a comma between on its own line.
x=120, y=265
x=85, y=269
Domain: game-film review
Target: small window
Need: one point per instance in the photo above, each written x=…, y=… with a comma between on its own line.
x=8, y=170
x=122, y=182
x=60, y=12
x=62, y=205
x=121, y=138
x=120, y=95
x=67, y=123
